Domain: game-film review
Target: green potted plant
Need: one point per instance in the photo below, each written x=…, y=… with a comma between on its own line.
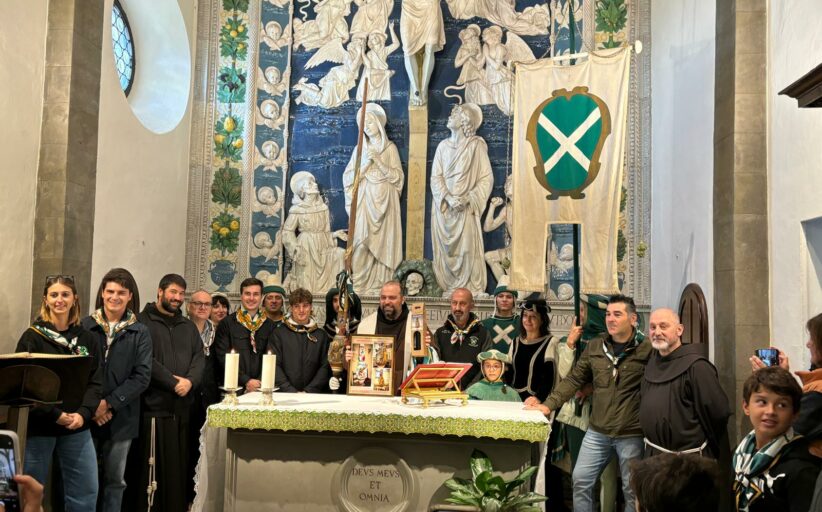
x=492, y=493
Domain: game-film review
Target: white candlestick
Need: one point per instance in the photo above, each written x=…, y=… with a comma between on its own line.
x=232, y=370
x=269, y=369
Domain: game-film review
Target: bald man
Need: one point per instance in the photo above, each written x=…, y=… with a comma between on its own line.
x=462, y=337
x=683, y=408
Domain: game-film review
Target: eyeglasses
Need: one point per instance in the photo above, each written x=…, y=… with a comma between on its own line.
x=59, y=277
x=201, y=304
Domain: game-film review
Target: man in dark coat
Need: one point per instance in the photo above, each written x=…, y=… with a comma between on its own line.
x=462, y=338
x=301, y=347
x=683, y=408
x=246, y=332
x=177, y=367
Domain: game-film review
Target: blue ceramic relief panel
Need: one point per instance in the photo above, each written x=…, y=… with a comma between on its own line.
x=322, y=140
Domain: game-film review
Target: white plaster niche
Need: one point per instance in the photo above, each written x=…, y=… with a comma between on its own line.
x=162, y=80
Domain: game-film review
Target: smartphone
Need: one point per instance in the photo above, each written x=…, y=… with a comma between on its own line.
x=9, y=466
x=769, y=356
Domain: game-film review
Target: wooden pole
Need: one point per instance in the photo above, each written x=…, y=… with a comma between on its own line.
x=576, y=271
x=352, y=215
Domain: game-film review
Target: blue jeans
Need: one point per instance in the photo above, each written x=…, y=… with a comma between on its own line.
x=596, y=451
x=113, y=455
x=78, y=464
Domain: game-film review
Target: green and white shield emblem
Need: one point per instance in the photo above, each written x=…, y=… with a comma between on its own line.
x=567, y=132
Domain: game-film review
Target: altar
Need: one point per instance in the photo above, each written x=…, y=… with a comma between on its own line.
x=346, y=453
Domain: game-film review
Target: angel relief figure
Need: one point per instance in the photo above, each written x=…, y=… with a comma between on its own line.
x=265, y=247
x=371, y=17
x=268, y=201
x=328, y=23
x=375, y=66
x=270, y=156
x=472, y=61
x=271, y=81
x=531, y=21
x=499, y=63
x=271, y=115
x=274, y=36
x=333, y=89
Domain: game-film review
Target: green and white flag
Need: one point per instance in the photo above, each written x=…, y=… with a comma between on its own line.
x=568, y=154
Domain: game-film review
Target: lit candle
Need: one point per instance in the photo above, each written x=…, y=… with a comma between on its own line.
x=269, y=369
x=232, y=370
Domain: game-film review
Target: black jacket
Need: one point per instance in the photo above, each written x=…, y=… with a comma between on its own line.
x=302, y=364
x=177, y=350
x=231, y=334
x=43, y=419
x=792, y=477
x=126, y=374
x=475, y=341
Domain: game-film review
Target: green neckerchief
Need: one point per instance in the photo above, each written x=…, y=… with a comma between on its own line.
x=252, y=324
x=59, y=339
x=99, y=316
x=632, y=344
x=459, y=334
x=751, y=466
x=301, y=329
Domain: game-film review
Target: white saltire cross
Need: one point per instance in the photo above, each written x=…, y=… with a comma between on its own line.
x=568, y=144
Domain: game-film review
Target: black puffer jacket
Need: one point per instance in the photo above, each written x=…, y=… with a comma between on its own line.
x=177, y=350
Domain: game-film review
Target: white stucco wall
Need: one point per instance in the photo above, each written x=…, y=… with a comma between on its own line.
x=682, y=125
x=794, y=172
x=142, y=176
x=22, y=68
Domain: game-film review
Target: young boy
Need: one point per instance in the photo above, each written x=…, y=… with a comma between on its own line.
x=774, y=470
x=672, y=482
x=491, y=386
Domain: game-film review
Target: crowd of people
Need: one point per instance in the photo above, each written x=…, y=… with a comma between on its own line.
x=645, y=409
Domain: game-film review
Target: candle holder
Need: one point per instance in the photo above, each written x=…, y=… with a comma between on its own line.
x=267, y=397
x=230, y=396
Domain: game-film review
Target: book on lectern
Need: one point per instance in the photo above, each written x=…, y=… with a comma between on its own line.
x=28, y=378
x=436, y=375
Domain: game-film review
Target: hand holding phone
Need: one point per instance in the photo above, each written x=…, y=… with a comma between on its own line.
x=9, y=467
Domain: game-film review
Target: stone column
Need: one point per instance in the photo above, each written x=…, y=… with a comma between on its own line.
x=740, y=200
x=67, y=168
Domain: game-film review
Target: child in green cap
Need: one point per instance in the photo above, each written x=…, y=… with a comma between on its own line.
x=491, y=386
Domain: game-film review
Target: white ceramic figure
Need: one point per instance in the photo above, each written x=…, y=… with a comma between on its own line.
x=562, y=14
x=314, y=252
x=371, y=17
x=271, y=81
x=268, y=200
x=375, y=67
x=274, y=36
x=377, y=235
x=461, y=181
x=472, y=61
x=414, y=282
x=423, y=32
x=334, y=88
x=499, y=260
x=264, y=247
x=271, y=115
x=270, y=156
x=499, y=61
x=531, y=21
x=328, y=23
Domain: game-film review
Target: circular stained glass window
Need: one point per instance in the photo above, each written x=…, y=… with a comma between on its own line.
x=123, y=45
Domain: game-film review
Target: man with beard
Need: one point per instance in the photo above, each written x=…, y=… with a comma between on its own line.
x=273, y=300
x=162, y=451
x=683, y=408
x=462, y=338
x=301, y=347
x=391, y=319
x=246, y=332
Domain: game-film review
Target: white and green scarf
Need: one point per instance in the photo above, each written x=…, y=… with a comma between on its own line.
x=110, y=330
x=302, y=329
x=56, y=337
x=253, y=324
x=751, y=466
x=459, y=334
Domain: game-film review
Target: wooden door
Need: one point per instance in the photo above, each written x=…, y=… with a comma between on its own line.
x=693, y=313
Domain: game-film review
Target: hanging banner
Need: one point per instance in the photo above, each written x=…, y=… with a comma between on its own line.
x=568, y=155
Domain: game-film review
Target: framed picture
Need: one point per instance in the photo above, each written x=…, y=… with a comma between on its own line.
x=370, y=371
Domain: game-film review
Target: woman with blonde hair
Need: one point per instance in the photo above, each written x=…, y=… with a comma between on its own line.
x=62, y=431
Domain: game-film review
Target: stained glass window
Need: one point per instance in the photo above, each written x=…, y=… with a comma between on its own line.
x=123, y=45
